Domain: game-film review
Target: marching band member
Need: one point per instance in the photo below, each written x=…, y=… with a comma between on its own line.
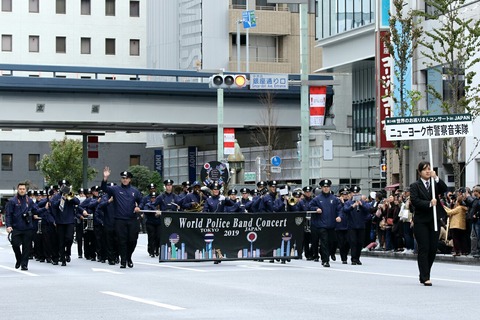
x=307, y=235
x=232, y=204
x=153, y=224
x=183, y=194
x=341, y=228
x=168, y=201
x=195, y=199
x=272, y=203
x=215, y=203
x=126, y=199
x=245, y=202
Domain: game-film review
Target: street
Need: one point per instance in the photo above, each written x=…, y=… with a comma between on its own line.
x=378, y=289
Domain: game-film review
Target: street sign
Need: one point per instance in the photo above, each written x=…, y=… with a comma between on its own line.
x=250, y=176
x=249, y=19
x=276, y=161
x=276, y=169
x=261, y=81
x=428, y=127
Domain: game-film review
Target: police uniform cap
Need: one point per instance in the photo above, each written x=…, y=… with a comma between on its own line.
x=186, y=183
x=51, y=192
x=355, y=189
x=215, y=186
x=94, y=188
x=81, y=190
x=153, y=195
x=63, y=182
x=41, y=192
x=261, y=184
x=254, y=192
x=272, y=183
x=168, y=181
x=195, y=184
x=296, y=193
x=245, y=190
x=152, y=186
x=232, y=191
x=307, y=189
x=344, y=190
x=325, y=183
x=29, y=193
x=35, y=193
x=126, y=174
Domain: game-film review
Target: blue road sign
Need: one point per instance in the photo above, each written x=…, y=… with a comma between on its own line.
x=276, y=161
x=249, y=19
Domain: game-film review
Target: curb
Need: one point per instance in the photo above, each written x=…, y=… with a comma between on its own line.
x=466, y=260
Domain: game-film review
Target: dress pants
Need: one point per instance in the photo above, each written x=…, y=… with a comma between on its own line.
x=427, y=242
x=22, y=238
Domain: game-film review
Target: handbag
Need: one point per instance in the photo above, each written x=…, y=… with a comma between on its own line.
x=390, y=221
x=404, y=213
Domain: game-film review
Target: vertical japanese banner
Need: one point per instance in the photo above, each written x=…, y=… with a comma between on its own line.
x=229, y=140
x=318, y=97
x=192, y=163
x=383, y=81
x=158, y=160
x=92, y=147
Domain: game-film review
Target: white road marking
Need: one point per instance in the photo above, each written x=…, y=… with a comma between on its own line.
x=27, y=273
x=150, y=302
x=163, y=265
x=106, y=270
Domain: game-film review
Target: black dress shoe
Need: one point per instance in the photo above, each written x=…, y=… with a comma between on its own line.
x=64, y=264
x=112, y=263
x=17, y=265
x=68, y=259
x=152, y=255
x=359, y=262
x=427, y=283
x=332, y=256
x=80, y=256
x=354, y=263
x=326, y=264
x=130, y=264
x=42, y=260
x=122, y=266
x=55, y=263
x=24, y=268
x=344, y=262
x=316, y=260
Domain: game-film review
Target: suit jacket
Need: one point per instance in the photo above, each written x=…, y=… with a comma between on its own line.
x=420, y=198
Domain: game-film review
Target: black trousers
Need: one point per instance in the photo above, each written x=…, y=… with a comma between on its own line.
x=127, y=233
x=22, y=238
x=427, y=242
x=79, y=237
x=356, y=238
x=111, y=244
x=328, y=242
x=100, y=242
x=343, y=245
x=65, y=240
x=153, y=233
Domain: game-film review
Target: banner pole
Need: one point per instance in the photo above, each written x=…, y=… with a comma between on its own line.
x=432, y=183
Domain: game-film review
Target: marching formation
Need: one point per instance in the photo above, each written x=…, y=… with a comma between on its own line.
x=105, y=220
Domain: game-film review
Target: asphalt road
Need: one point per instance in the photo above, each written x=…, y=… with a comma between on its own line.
x=379, y=289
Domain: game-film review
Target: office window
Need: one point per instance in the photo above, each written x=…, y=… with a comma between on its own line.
x=6, y=42
x=134, y=47
x=61, y=45
x=7, y=5
x=134, y=8
x=110, y=46
x=7, y=162
x=33, y=6
x=109, y=7
x=134, y=160
x=85, y=45
x=60, y=7
x=32, y=162
x=85, y=7
x=33, y=44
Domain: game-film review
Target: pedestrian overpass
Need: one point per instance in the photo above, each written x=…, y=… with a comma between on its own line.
x=40, y=97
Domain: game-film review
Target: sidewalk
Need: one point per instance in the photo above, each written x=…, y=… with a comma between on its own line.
x=469, y=260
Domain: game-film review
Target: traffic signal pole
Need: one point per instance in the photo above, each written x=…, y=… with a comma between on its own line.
x=220, y=155
x=304, y=107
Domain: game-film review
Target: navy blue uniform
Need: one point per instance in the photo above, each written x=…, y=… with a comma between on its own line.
x=215, y=204
x=64, y=222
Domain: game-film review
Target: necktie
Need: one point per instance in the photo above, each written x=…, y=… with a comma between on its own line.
x=427, y=185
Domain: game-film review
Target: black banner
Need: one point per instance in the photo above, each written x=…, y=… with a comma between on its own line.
x=187, y=236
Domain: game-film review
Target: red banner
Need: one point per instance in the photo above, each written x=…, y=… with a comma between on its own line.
x=228, y=141
x=92, y=147
x=318, y=97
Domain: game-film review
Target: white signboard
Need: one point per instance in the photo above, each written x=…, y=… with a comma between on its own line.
x=268, y=81
x=428, y=127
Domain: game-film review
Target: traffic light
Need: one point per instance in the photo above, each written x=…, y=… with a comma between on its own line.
x=383, y=170
x=228, y=81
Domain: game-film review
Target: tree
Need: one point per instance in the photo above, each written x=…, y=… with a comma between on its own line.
x=266, y=134
x=452, y=48
x=65, y=162
x=142, y=177
x=401, y=44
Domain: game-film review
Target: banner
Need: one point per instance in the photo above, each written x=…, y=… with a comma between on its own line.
x=228, y=140
x=187, y=236
x=318, y=98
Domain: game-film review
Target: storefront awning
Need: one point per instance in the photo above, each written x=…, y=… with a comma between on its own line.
x=392, y=187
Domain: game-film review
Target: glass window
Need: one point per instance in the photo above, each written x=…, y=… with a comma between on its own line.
x=134, y=160
x=6, y=42
x=7, y=162
x=61, y=45
x=85, y=45
x=32, y=162
x=85, y=7
x=110, y=7
x=60, y=7
x=33, y=44
x=33, y=6
x=134, y=47
x=110, y=46
x=7, y=5
x=134, y=8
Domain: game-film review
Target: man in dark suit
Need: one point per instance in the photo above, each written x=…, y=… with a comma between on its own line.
x=423, y=221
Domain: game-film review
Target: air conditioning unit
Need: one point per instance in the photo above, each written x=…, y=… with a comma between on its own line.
x=450, y=180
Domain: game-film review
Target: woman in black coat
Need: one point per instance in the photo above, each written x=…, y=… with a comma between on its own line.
x=423, y=223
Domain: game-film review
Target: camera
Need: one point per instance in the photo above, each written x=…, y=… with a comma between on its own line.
x=357, y=197
x=27, y=216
